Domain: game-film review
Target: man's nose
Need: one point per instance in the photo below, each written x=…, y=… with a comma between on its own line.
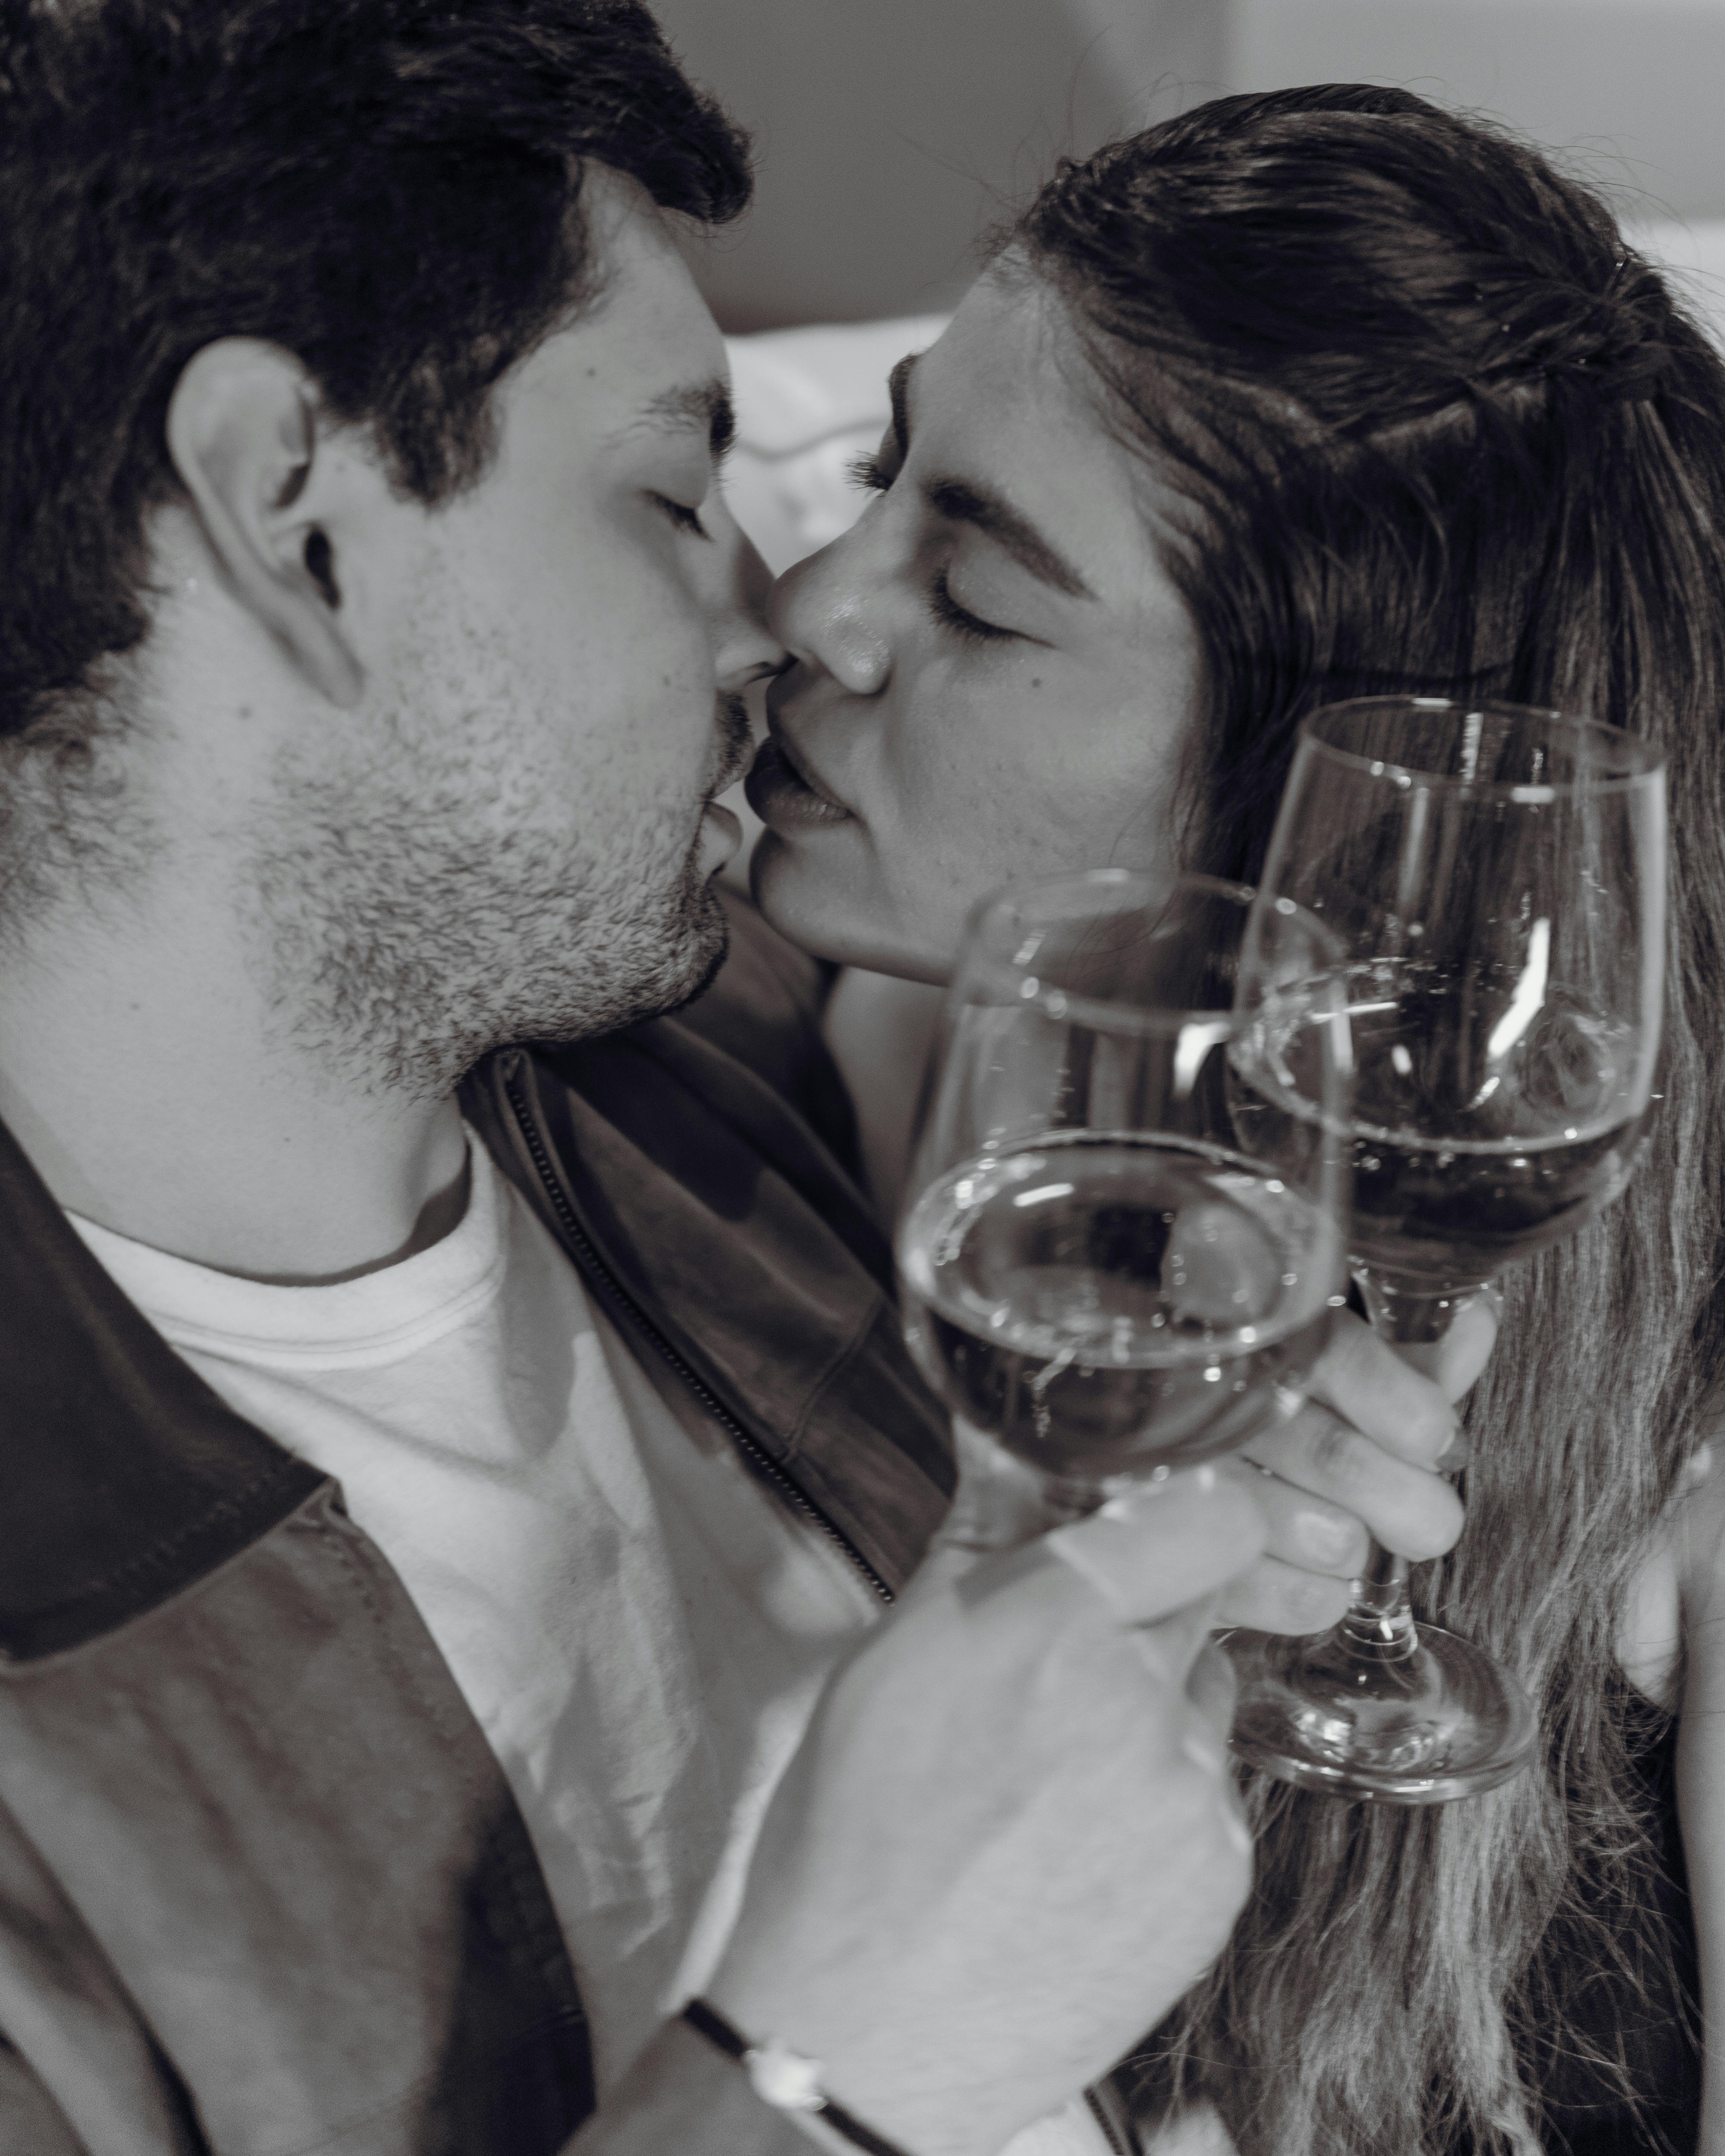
x=747, y=649
x=819, y=611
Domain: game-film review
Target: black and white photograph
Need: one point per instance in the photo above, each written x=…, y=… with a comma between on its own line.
x=862, y=1077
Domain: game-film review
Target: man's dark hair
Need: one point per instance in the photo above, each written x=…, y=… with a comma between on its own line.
x=386, y=188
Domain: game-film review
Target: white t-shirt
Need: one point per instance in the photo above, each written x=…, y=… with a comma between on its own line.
x=639, y=1629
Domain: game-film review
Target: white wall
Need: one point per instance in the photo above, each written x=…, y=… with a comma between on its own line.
x=1634, y=88
x=892, y=132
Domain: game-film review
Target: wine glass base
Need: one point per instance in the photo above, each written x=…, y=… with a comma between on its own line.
x=1443, y=1722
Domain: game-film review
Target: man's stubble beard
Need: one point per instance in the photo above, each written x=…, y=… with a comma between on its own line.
x=404, y=939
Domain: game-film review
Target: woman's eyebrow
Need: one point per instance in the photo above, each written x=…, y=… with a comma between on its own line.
x=962, y=502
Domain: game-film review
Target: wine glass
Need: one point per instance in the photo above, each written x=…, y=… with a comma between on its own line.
x=1497, y=877
x=1098, y=1279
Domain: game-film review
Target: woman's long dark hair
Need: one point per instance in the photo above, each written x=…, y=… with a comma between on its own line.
x=1429, y=424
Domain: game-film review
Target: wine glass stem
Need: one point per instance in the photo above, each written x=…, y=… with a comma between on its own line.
x=1380, y=1627
x=1380, y=1623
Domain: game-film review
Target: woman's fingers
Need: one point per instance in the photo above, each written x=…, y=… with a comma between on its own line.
x=1354, y=1464
x=1311, y=1531
x=1357, y=1460
x=1455, y=1361
x=1274, y=1597
x=1368, y=1384
x=1302, y=1582
x=1406, y=1507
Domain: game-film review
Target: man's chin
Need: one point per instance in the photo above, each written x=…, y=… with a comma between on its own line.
x=708, y=973
x=694, y=950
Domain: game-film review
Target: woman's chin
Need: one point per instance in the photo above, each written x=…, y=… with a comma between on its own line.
x=823, y=915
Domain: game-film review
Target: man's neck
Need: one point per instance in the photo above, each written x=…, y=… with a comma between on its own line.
x=151, y=1089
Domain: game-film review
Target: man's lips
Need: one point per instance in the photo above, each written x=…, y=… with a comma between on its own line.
x=782, y=796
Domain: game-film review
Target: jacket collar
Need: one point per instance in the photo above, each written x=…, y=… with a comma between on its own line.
x=730, y=1230
x=125, y=1476
x=127, y=1479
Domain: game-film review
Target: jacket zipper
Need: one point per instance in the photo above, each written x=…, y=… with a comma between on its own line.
x=587, y=1255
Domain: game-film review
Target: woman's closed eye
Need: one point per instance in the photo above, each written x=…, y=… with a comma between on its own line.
x=960, y=620
x=871, y=473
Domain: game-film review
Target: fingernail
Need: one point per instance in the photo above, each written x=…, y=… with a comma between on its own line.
x=1455, y=1455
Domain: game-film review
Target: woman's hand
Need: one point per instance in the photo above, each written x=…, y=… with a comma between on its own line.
x=1357, y=1463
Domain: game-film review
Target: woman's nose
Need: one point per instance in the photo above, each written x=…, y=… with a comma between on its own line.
x=820, y=610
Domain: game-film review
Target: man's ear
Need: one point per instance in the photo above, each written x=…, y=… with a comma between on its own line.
x=244, y=431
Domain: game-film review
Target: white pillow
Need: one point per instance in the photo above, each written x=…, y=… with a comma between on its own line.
x=808, y=402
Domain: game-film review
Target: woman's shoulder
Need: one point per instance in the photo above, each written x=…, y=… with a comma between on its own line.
x=1697, y=1533
x=1676, y=1592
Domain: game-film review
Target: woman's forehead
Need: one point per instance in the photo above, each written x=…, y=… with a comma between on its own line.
x=1006, y=399
x=1010, y=333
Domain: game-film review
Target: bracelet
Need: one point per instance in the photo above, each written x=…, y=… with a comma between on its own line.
x=784, y=2078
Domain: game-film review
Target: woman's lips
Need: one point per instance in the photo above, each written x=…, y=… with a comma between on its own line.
x=781, y=798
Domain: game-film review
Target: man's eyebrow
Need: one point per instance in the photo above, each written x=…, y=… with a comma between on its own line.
x=703, y=404
x=961, y=501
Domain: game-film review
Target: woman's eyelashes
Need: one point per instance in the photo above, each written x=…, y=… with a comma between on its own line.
x=959, y=620
x=869, y=473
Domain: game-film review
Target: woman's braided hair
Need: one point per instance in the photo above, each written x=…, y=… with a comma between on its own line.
x=1421, y=421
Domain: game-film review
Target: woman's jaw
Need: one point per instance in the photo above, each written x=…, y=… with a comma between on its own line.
x=814, y=872
x=815, y=877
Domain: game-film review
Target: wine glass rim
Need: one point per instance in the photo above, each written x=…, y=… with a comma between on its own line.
x=1105, y=1014
x=1646, y=760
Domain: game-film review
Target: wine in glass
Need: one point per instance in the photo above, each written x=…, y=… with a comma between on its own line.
x=1495, y=877
x=1101, y=1282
